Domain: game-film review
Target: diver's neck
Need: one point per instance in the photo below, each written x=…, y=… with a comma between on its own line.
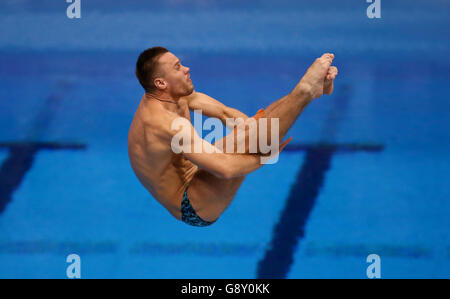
x=168, y=102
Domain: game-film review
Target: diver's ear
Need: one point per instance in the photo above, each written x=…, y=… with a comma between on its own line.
x=160, y=83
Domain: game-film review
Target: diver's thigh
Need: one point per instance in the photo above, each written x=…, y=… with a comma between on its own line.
x=209, y=194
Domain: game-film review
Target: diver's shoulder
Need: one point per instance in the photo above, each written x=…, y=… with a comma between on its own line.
x=151, y=116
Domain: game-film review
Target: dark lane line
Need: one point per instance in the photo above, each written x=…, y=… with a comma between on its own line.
x=290, y=229
x=22, y=153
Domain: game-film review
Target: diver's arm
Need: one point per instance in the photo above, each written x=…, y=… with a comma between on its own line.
x=213, y=108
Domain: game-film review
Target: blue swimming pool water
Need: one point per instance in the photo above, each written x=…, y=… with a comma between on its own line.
x=72, y=82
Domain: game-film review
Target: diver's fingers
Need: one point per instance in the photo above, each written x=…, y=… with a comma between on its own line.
x=260, y=114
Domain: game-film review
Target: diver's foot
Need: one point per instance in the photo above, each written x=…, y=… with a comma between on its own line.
x=313, y=81
x=328, y=83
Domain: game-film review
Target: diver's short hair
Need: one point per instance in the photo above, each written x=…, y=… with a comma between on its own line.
x=147, y=67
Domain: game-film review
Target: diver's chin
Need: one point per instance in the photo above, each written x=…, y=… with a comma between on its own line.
x=187, y=92
x=191, y=89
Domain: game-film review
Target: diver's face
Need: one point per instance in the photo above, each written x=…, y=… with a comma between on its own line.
x=176, y=76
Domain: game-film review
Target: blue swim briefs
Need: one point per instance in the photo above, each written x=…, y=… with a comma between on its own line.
x=188, y=214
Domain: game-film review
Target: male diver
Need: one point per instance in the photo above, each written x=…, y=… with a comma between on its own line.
x=196, y=187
